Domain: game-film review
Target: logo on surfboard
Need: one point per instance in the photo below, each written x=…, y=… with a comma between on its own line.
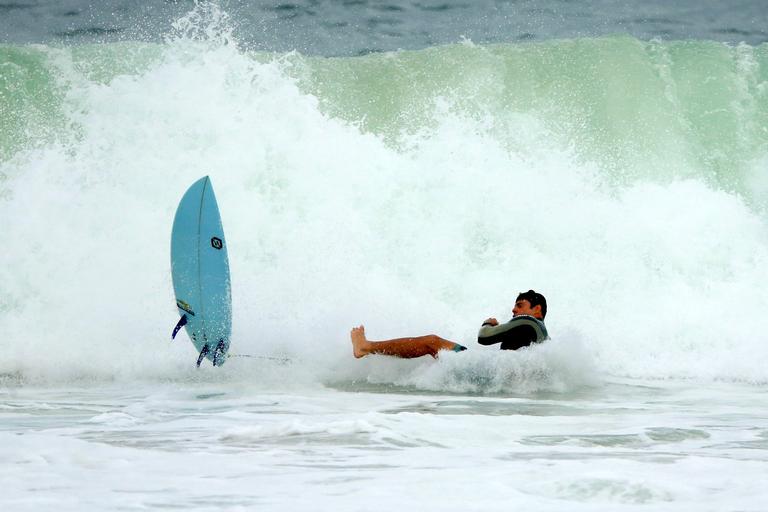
x=186, y=307
x=216, y=243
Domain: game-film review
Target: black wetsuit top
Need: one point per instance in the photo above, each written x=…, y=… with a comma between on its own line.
x=519, y=332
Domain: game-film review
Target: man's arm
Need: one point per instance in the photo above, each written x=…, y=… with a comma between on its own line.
x=488, y=332
x=519, y=332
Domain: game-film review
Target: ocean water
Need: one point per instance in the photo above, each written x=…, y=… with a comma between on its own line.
x=617, y=168
x=357, y=27
x=207, y=446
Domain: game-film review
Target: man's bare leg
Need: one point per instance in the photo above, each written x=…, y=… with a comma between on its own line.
x=406, y=348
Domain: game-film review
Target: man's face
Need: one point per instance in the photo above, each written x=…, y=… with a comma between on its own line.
x=523, y=307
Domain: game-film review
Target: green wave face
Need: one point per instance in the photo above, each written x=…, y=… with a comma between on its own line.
x=648, y=110
x=652, y=110
x=30, y=99
x=38, y=87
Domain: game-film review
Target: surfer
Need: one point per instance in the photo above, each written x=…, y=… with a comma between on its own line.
x=525, y=327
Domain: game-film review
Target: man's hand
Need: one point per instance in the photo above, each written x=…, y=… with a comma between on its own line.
x=491, y=321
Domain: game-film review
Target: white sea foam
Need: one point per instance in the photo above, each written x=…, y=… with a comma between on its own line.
x=204, y=446
x=331, y=225
x=298, y=428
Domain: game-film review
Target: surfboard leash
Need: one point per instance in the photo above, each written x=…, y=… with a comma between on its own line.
x=270, y=358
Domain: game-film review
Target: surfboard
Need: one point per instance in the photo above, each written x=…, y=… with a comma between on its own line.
x=200, y=272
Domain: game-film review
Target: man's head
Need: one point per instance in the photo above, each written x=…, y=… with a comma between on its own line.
x=530, y=303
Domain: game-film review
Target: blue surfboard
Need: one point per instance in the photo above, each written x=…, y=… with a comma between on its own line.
x=200, y=270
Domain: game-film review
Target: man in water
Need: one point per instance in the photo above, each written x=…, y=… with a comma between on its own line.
x=525, y=327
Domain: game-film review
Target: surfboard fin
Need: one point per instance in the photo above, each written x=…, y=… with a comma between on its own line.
x=218, y=352
x=182, y=323
x=202, y=355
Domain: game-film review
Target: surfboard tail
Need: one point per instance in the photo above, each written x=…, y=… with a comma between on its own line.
x=220, y=353
x=202, y=355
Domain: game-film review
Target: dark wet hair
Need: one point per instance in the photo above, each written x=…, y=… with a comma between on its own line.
x=535, y=299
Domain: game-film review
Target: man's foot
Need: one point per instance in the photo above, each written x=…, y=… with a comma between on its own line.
x=360, y=345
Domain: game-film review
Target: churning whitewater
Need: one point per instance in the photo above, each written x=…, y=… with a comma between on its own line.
x=415, y=192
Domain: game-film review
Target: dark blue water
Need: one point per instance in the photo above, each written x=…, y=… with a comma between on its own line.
x=353, y=27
